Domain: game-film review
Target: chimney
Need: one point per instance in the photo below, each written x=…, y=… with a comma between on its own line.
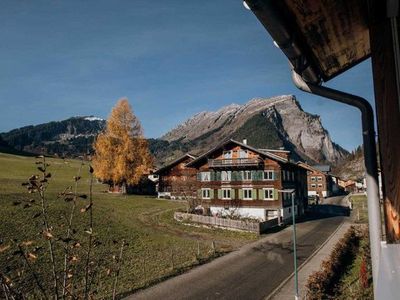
x=245, y=141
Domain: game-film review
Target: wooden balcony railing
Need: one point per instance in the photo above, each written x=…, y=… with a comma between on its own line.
x=234, y=162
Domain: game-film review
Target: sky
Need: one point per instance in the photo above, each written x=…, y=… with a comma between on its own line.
x=170, y=58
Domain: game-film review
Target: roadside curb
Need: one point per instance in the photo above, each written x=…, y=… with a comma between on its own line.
x=284, y=282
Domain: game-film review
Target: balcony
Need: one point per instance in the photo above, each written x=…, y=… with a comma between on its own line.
x=234, y=162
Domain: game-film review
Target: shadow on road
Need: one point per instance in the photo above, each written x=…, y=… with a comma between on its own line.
x=315, y=212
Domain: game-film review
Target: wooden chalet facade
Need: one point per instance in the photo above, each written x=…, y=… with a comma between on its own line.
x=176, y=180
x=319, y=182
x=234, y=178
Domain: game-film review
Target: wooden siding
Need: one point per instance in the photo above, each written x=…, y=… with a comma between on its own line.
x=387, y=101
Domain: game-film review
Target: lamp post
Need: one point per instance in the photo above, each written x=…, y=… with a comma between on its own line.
x=291, y=192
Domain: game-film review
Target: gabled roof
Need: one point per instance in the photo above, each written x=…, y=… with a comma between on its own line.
x=263, y=153
x=323, y=168
x=308, y=167
x=175, y=162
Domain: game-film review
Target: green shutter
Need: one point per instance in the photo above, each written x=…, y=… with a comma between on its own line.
x=218, y=176
x=254, y=195
x=261, y=194
x=240, y=194
x=234, y=175
x=199, y=196
x=233, y=194
x=253, y=175
x=212, y=194
x=260, y=175
x=240, y=175
x=212, y=176
x=219, y=194
x=276, y=196
x=277, y=175
x=199, y=176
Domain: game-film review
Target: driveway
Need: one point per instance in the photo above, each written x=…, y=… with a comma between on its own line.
x=252, y=272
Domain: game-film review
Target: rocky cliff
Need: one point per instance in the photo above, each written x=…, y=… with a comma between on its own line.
x=265, y=122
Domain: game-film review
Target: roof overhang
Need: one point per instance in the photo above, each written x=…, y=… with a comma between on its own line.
x=321, y=39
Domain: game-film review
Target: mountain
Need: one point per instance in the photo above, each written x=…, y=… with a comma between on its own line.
x=277, y=122
x=265, y=123
x=71, y=137
x=352, y=167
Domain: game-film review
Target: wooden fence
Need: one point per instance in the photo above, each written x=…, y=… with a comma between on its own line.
x=252, y=226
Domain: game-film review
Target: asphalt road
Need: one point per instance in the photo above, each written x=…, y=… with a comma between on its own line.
x=252, y=272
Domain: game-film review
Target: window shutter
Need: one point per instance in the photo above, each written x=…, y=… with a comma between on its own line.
x=260, y=175
x=218, y=176
x=276, y=175
x=261, y=194
x=199, y=195
x=234, y=175
x=212, y=194
x=253, y=175
x=254, y=194
x=276, y=196
x=199, y=176
x=233, y=194
x=240, y=194
x=219, y=194
x=212, y=176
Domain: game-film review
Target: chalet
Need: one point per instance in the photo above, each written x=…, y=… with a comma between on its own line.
x=235, y=178
x=176, y=180
x=319, y=182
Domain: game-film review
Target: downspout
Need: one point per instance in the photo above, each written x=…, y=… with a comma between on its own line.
x=370, y=159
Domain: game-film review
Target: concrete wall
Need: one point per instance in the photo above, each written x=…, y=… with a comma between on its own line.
x=243, y=212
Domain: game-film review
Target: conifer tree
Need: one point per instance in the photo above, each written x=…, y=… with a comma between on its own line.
x=121, y=152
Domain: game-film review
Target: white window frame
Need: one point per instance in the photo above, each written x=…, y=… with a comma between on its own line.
x=320, y=185
x=206, y=193
x=250, y=175
x=228, y=175
x=270, y=175
x=313, y=178
x=205, y=176
x=269, y=192
x=228, y=195
x=319, y=178
x=313, y=185
x=250, y=191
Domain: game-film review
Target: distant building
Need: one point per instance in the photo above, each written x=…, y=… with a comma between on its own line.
x=319, y=182
x=237, y=179
x=176, y=180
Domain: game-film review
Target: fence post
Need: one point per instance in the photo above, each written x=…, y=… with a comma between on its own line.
x=213, y=247
x=198, y=249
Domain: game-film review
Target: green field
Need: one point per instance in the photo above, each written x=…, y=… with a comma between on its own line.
x=158, y=246
x=360, y=208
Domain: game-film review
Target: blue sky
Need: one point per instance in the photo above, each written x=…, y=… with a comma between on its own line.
x=171, y=58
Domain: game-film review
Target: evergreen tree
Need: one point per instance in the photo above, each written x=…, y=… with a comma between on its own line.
x=121, y=152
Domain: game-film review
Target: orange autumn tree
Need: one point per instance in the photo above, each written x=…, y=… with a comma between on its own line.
x=121, y=152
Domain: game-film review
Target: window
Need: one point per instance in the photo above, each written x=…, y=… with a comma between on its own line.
x=268, y=175
x=227, y=154
x=268, y=194
x=313, y=185
x=205, y=193
x=247, y=194
x=246, y=175
x=292, y=175
x=320, y=185
x=313, y=178
x=319, y=178
x=226, y=175
x=205, y=176
x=226, y=194
x=243, y=154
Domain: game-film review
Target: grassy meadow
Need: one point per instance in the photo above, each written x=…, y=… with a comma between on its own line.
x=156, y=246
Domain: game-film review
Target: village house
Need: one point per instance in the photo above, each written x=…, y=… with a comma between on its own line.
x=237, y=179
x=176, y=180
x=319, y=182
